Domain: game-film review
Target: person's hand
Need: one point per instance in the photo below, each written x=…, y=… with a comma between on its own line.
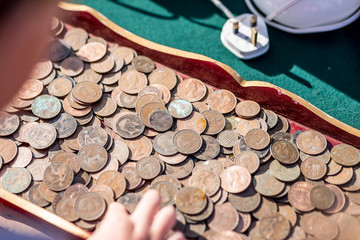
x=146, y=222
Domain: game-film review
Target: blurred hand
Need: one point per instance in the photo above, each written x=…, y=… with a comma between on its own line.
x=146, y=222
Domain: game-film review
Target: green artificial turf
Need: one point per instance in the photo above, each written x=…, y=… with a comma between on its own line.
x=322, y=68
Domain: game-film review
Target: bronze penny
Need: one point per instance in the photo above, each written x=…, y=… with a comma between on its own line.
x=115, y=180
x=120, y=152
x=57, y=50
x=115, y=95
x=91, y=52
x=58, y=176
x=257, y=139
x=30, y=89
x=35, y=197
x=339, y=201
x=148, y=167
x=68, y=158
x=173, y=159
x=130, y=201
x=285, y=152
x=247, y=109
x=66, y=209
x=215, y=122
x=348, y=225
x=129, y=126
x=213, y=165
x=191, y=90
x=60, y=87
x=72, y=141
x=87, y=92
x=22, y=159
x=91, y=135
x=299, y=196
x=274, y=226
x=163, y=144
x=90, y=206
x=200, y=106
x=133, y=81
x=288, y=212
x=8, y=123
x=265, y=183
x=271, y=119
x=41, y=69
x=248, y=160
x=206, y=180
x=46, y=193
x=245, y=125
x=37, y=168
x=102, y=188
x=8, y=150
x=111, y=165
x=246, y=201
x=325, y=156
x=195, y=121
x=213, y=235
x=167, y=192
x=104, y=65
x=150, y=90
x=139, y=147
x=345, y=155
x=127, y=54
x=222, y=101
x=128, y=100
x=202, y=216
x=46, y=107
x=322, y=197
x=180, y=108
x=342, y=177
x=160, y=120
x=164, y=76
x=45, y=81
x=187, y=141
x=145, y=99
x=75, y=190
x=76, y=112
x=235, y=179
x=210, y=148
x=16, y=180
x=72, y=66
x=165, y=92
x=76, y=38
x=146, y=111
x=227, y=138
x=42, y=135
x=64, y=124
x=24, y=130
x=167, y=178
x=307, y=221
x=284, y=136
x=190, y=200
x=266, y=207
x=325, y=228
x=311, y=142
x=143, y=64
x=313, y=168
x=285, y=173
x=224, y=218
x=89, y=75
x=105, y=107
x=92, y=157
x=132, y=179
x=244, y=223
x=181, y=170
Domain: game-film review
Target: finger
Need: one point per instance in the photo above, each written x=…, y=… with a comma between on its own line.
x=177, y=236
x=163, y=222
x=115, y=225
x=144, y=214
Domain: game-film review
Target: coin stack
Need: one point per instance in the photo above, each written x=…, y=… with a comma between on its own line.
x=97, y=123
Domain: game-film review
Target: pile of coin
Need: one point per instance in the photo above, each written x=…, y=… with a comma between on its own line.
x=97, y=123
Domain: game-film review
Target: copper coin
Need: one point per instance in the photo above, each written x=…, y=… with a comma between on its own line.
x=57, y=50
x=66, y=209
x=127, y=54
x=37, y=168
x=42, y=136
x=222, y=101
x=200, y=106
x=248, y=160
x=60, y=87
x=164, y=76
x=76, y=112
x=167, y=192
x=339, y=201
x=91, y=52
x=265, y=183
x=58, y=176
x=325, y=156
x=173, y=159
x=311, y=142
x=210, y=148
x=266, y=207
x=181, y=170
x=206, y=180
x=195, y=121
x=35, y=197
x=274, y=226
x=76, y=38
x=345, y=155
x=322, y=197
x=46, y=106
x=120, y=152
x=41, y=69
x=46, y=193
x=8, y=150
x=23, y=157
x=213, y=165
x=146, y=111
x=285, y=152
x=16, y=180
x=325, y=228
x=342, y=177
x=30, y=89
x=24, y=130
x=285, y=173
x=148, y=167
x=167, y=178
x=299, y=196
x=21, y=103
x=104, y=65
x=187, y=141
x=235, y=179
x=281, y=136
x=145, y=99
x=45, y=81
x=347, y=224
x=215, y=122
x=68, y=158
x=190, y=200
x=191, y=90
x=247, y=109
x=150, y=90
x=160, y=120
x=89, y=75
x=115, y=180
x=163, y=144
x=129, y=126
x=313, y=168
x=8, y=123
x=111, y=165
x=132, y=179
x=227, y=138
x=257, y=139
x=128, y=100
x=139, y=147
x=133, y=81
x=180, y=108
x=130, y=201
x=272, y=119
x=90, y=206
x=223, y=211
x=105, y=107
x=143, y=64
x=102, y=188
x=246, y=201
x=244, y=223
x=92, y=157
x=87, y=92
x=244, y=126
x=64, y=124
x=72, y=66
x=92, y=134
x=165, y=92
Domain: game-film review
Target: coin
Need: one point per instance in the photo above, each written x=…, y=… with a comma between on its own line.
x=181, y=170
x=34, y=196
x=115, y=180
x=167, y=192
x=92, y=134
x=60, y=87
x=246, y=201
x=160, y=120
x=145, y=99
x=30, y=89
x=285, y=173
x=266, y=207
x=271, y=119
x=103, y=65
x=132, y=82
x=195, y=121
x=206, y=180
x=8, y=123
x=227, y=138
x=248, y=160
x=164, y=76
x=274, y=226
x=123, y=52
x=284, y=152
x=22, y=159
x=313, y=168
x=210, y=148
x=57, y=50
x=41, y=69
x=71, y=66
x=16, y=180
x=91, y=52
x=64, y=124
x=165, y=93
x=146, y=111
x=120, y=152
x=322, y=197
x=339, y=201
x=257, y=139
x=139, y=147
x=244, y=126
x=213, y=165
x=130, y=201
x=191, y=90
x=132, y=179
x=163, y=144
x=58, y=176
x=223, y=211
x=105, y=107
x=345, y=155
x=347, y=225
x=187, y=141
x=87, y=92
x=325, y=228
x=46, y=193
x=42, y=135
x=247, y=109
x=215, y=122
x=235, y=179
x=66, y=209
x=92, y=157
x=288, y=212
x=37, y=168
x=190, y=200
x=129, y=126
x=265, y=183
x=222, y=101
x=68, y=158
x=311, y=142
x=148, y=167
x=8, y=150
x=342, y=177
x=90, y=206
x=143, y=64
x=299, y=196
x=180, y=108
x=46, y=107
x=281, y=136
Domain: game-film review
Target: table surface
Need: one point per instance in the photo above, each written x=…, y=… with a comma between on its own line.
x=322, y=68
